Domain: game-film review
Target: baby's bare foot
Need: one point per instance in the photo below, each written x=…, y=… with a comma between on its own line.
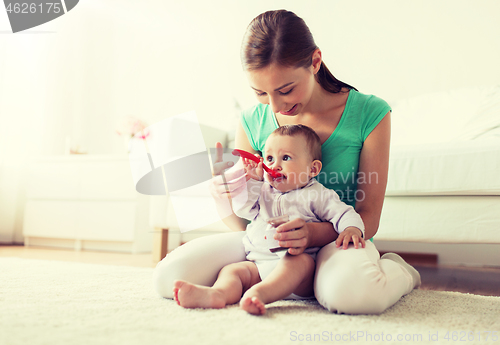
x=176, y=295
x=189, y=295
x=253, y=305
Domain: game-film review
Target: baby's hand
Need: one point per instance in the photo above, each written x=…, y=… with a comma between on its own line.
x=350, y=234
x=253, y=170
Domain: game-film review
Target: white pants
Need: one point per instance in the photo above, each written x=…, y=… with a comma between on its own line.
x=352, y=281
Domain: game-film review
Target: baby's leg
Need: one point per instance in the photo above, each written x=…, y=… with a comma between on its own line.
x=233, y=280
x=293, y=274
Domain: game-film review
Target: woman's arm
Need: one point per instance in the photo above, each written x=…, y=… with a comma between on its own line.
x=322, y=233
x=373, y=170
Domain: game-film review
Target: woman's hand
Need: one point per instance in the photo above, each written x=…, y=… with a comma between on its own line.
x=350, y=234
x=219, y=165
x=226, y=184
x=294, y=235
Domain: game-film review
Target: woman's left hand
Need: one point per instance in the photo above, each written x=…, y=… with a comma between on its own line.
x=294, y=235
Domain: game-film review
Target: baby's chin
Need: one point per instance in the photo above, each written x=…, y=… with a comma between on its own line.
x=282, y=188
x=278, y=183
x=283, y=185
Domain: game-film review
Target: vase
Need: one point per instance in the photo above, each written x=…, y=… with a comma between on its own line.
x=127, y=144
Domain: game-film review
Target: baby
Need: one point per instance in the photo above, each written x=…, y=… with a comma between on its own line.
x=270, y=275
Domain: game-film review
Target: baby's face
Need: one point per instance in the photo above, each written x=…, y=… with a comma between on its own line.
x=291, y=157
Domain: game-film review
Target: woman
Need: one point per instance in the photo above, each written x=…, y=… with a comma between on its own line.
x=285, y=69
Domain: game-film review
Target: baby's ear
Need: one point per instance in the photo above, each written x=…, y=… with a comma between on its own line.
x=316, y=166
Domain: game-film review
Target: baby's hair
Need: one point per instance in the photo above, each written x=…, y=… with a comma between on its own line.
x=312, y=139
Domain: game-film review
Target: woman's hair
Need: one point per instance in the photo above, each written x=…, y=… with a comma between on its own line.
x=312, y=139
x=283, y=38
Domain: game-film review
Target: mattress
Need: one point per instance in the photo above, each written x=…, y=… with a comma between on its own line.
x=452, y=168
x=440, y=219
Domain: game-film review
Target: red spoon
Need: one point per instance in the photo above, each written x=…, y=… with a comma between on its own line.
x=245, y=154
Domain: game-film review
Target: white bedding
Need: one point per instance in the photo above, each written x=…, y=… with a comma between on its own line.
x=451, y=116
x=440, y=219
x=458, y=168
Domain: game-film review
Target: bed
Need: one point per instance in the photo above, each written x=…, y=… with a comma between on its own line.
x=443, y=192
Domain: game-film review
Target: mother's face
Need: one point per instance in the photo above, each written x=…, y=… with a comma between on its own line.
x=287, y=90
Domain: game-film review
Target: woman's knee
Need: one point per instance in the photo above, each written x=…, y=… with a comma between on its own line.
x=347, y=281
x=162, y=281
x=198, y=261
x=348, y=291
x=170, y=269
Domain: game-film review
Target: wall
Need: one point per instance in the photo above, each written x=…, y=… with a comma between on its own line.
x=80, y=75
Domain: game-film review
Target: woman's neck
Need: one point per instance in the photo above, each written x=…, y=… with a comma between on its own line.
x=324, y=103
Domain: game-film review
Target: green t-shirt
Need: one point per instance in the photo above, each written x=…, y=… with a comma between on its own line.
x=340, y=151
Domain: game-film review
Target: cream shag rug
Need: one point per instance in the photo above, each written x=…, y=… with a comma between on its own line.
x=55, y=302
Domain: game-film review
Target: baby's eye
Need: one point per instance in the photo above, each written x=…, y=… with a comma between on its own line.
x=286, y=158
x=269, y=158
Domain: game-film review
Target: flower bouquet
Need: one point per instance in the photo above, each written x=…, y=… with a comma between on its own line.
x=132, y=128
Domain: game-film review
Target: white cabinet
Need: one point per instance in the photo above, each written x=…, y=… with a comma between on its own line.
x=86, y=202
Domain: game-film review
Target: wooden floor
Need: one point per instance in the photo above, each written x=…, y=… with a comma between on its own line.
x=93, y=257
x=479, y=281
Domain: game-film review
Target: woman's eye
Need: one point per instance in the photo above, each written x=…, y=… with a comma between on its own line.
x=260, y=94
x=286, y=158
x=269, y=158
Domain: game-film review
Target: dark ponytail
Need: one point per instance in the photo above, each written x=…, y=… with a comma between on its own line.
x=331, y=84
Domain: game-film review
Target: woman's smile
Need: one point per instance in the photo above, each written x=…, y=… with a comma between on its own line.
x=289, y=112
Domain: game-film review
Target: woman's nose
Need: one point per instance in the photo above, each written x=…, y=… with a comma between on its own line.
x=276, y=105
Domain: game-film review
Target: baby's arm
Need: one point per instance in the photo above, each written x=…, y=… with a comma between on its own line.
x=346, y=221
x=249, y=207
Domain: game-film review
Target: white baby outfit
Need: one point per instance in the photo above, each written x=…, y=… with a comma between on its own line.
x=312, y=203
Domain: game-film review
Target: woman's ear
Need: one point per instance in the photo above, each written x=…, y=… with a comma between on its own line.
x=316, y=166
x=316, y=60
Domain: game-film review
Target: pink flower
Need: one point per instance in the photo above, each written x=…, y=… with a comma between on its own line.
x=142, y=134
x=133, y=127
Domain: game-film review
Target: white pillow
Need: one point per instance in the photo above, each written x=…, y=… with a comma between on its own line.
x=435, y=117
x=486, y=120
